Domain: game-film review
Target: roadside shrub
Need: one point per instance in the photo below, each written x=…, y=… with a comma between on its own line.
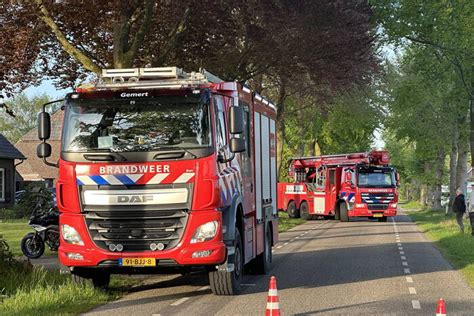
x=6, y=214
x=5, y=254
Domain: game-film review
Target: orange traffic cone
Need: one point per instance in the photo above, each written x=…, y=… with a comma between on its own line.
x=273, y=306
x=441, y=308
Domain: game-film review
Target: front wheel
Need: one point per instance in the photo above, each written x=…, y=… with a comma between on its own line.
x=98, y=279
x=343, y=212
x=32, y=246
x=225, y=282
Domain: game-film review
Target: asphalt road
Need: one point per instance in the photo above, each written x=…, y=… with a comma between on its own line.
x=361, y=267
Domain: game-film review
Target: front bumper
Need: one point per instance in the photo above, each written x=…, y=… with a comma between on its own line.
x=363, y=212
x=90, y=255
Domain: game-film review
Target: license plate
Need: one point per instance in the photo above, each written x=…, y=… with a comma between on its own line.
x=378, y=215
x=137, y=262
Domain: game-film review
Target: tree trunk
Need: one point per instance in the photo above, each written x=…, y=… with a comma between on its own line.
x=453, y=160
x=461, y=168
x=281, y=132
x=436, y=188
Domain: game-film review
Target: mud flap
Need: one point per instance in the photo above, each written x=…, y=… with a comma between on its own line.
x=227, y=266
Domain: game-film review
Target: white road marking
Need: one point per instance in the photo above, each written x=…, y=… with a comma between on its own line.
x=416, y=304
x=405, y=263
x=399, y=244
x=286, y=243
x=278, y=247
x=180, y=301
x=412, y=290
x=407, y=271
x=403, y=257
x=155, y=314
x=400, y=248
x=204, y=288
x=297, y=237
x=409, y=279
x=402, y=252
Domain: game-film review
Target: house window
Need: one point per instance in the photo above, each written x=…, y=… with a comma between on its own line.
x=2, y=185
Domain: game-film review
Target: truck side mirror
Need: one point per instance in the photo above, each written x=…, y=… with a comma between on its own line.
x=397, y=177
x=237, y=145
x=43, y=150
x=236, y=120
x=44, y=126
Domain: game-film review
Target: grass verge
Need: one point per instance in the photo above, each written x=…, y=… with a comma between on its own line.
x=285, y=223
x=455, y=246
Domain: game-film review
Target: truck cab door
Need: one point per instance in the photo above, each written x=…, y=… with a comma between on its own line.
x=332, y=191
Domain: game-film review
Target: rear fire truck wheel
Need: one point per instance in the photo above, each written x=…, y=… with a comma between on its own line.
x=292, y=211
x=343, y=212
x=382, y=219
x=228, y=282
x=304, y=211
x=263, y=262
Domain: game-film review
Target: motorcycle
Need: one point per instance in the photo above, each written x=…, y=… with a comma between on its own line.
x=46, y=226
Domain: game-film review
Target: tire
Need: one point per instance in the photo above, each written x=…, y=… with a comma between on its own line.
x=343, y=212
x=32, y=246
x=337, y=213
x=99, y=279
x=263, y=262
x=292, y=211
x=228, y=283
x=304, y=211
x=382, y=219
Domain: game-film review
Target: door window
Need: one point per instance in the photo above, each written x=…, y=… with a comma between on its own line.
x=2, y=185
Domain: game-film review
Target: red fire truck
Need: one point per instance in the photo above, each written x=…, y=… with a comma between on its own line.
x=343, y=186
x=161, y=168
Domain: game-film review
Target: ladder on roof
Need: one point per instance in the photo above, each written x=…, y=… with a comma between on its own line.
x=165, y=77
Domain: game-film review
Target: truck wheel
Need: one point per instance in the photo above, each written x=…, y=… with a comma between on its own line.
x=292, y=211
x=98, y=279
x=343, y=212
x=263, y=262
x=304, y=211
x=337, y=213
x=228, y=282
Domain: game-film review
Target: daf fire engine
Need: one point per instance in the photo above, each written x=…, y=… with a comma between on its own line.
x=343, y=186
x=160, y=168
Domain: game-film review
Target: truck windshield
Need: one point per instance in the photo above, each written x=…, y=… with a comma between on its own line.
x=116, y=125
x=376, y=177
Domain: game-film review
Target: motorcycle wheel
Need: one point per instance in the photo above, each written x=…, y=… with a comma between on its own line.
x=32, y=246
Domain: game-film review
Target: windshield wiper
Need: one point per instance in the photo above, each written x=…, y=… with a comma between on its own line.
x=105, y=157
x=173, y=154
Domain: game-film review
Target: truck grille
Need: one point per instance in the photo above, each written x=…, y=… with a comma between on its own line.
x=377, y=207
x=377, y=198
x=136, y=230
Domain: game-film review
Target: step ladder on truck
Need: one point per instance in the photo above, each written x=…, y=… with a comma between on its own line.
x=163, y=169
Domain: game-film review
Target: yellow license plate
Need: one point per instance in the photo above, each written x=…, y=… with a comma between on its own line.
x=137, y=262
x=378, y=215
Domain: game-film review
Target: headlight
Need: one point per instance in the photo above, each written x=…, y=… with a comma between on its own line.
x=360, y=205
x=71, y=235
x=205, y=232
x=394, y=205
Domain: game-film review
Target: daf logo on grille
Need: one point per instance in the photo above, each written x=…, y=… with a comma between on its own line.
x=134, y=198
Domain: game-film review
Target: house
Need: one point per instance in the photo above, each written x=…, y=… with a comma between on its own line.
x=8, y=154
x=34, y=169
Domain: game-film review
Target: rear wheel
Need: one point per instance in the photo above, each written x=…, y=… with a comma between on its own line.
x=228, y=282
x=343, y=212
x=292, y=211
x=304, y=211
x=263, y=262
